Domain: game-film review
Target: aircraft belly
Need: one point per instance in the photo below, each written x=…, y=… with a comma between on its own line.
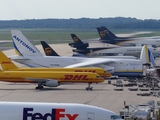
x=125, y=74
x=127, y=69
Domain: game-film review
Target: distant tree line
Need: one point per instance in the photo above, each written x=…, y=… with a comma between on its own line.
x=117, y=23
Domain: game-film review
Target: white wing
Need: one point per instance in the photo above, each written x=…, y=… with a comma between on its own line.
x=90, y=63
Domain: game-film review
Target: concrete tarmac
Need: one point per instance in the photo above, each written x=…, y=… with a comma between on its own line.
x=103, y=94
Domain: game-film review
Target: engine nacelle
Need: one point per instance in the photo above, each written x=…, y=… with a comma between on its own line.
x=51, y=83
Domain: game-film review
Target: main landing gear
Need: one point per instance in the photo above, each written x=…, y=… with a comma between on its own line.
x=40, y=86
x=89, y=87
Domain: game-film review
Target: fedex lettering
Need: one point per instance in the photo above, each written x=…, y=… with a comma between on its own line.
x=24, y=44
x=76, y=77
x=85, y=71
x=56, y=114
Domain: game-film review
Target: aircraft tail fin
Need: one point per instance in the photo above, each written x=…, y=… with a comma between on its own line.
x=147, y=56
x=109, y=32
x=76, y=39
x=105, y=37
x=23, y=46
x=78, y=43
x=48, y=50
x=6, y=63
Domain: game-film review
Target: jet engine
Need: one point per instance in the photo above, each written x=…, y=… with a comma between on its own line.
x=51, y=83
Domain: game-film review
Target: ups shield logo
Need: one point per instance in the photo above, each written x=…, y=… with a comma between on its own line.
x=102, y=34
x=48, y=51
x=75, y=39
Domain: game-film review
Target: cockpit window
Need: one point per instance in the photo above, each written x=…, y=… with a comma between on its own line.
x=114, y=117
x=98, y=76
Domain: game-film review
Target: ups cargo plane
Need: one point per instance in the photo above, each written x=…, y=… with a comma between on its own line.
x=107, y=37
x=53, y=111
x=51, y=77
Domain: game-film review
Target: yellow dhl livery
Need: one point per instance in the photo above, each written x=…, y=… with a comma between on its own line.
x=40, y=76
x=7, y=64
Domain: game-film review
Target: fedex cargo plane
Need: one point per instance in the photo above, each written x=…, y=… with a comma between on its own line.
x=53, y=111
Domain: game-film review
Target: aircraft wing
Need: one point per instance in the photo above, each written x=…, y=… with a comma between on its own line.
x=38, y=79
x=90, y=63
x=17, y=57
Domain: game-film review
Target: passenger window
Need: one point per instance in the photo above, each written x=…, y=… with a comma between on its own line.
x=114, y=117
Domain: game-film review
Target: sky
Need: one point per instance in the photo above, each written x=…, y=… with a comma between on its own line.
x=42, y=9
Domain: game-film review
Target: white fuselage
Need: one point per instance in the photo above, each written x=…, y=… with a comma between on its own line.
x=132, y=51
x=131, y=67
x=142, y=41
x=53, y=111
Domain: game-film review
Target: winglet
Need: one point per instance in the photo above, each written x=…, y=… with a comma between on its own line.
x=48, y=50
x=6, y=63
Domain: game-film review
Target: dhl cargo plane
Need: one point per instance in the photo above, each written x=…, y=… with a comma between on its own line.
x=50, y=77
x=54, y=111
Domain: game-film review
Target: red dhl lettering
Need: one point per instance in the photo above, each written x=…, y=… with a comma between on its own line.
x=85, y=71
x=76, y=77
x=6, y=62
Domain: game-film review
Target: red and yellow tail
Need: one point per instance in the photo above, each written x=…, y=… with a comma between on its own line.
x=6, y=63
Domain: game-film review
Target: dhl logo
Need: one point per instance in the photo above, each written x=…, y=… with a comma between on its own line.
x=93, y=71
x=6, y=62
x=76, y=77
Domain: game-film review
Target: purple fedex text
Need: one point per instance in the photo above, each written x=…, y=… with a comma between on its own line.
x=56, y=114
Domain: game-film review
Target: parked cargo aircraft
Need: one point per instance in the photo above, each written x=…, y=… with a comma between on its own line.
x=31, y=56
x=54, y=111
x=105, y=37
x=51, y=77
x=50, y=52
x=7, y=64
x=82, y=48
x=114, y=36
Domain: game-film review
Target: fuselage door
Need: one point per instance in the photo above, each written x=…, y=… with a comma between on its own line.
x=90, y=116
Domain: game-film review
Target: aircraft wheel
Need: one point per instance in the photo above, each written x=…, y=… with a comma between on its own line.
x=39, y=87
x=87, y=88
x=91, y=88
